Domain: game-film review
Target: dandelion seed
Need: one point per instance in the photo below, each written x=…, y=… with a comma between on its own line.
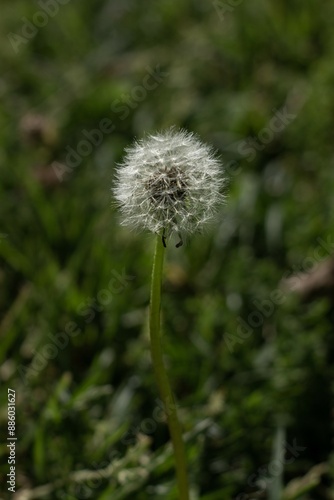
x=169, y=182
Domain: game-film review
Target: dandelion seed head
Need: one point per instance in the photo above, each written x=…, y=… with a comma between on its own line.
x=169, y=182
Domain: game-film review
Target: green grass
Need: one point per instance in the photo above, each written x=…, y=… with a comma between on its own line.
x=64, y=254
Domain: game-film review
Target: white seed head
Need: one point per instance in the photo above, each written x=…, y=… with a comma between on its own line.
x=169, y=182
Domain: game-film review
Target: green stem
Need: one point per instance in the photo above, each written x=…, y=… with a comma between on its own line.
x=161, y=374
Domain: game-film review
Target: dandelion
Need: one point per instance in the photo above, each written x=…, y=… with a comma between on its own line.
x=169, y=183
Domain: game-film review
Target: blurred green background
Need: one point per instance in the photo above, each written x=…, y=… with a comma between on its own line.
x=251, y=359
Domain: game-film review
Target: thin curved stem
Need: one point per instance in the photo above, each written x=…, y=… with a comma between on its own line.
x=161, y=374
